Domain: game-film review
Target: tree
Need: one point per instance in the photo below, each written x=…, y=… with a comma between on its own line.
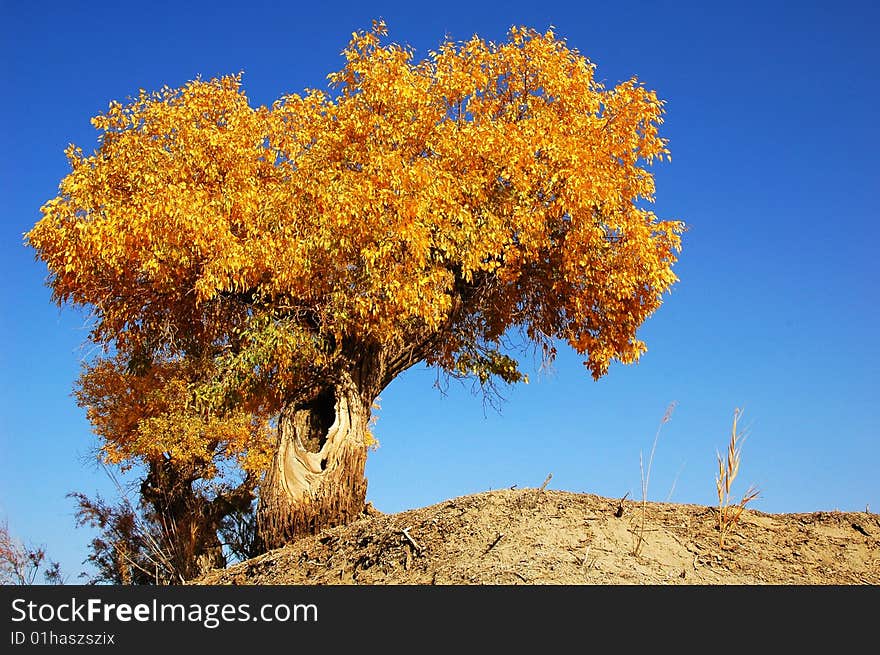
x=307, y=253
x=156, y=542
x=200, y=472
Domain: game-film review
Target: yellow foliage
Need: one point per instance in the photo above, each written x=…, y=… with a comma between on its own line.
x=150, y=414
x=417, y=208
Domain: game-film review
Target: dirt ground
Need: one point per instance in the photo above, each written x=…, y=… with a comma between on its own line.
x=535, y=537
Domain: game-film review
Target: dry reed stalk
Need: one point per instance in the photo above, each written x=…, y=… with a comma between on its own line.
x=728, y=469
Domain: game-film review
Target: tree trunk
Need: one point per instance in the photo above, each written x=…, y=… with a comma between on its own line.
x=189, y=543
x=317, y=477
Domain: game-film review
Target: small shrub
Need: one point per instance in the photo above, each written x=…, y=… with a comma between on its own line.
x=20, y=564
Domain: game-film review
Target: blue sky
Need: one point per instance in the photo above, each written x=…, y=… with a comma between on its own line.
x=771, y=118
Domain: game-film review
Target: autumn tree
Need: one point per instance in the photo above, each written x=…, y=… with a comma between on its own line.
x=147, y=543
x=199, y=471
x=306, y=253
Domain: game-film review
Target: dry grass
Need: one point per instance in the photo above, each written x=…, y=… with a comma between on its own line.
x=646, y=476
x=729, y=514
x=20, y=564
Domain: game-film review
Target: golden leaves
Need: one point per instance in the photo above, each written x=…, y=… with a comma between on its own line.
x=149, y=411
x=493, y=180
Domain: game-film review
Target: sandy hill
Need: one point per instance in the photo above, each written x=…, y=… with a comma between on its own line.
x=530, y=536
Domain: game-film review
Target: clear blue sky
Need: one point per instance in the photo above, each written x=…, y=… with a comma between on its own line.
x=772, y=121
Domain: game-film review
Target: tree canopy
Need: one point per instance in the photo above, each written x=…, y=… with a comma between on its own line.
x=417, y=211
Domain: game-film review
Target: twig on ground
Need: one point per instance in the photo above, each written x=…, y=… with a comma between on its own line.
x=521, y=577
x=546, y=482
x=412, y=541
x=494, y=543
x=586, y=556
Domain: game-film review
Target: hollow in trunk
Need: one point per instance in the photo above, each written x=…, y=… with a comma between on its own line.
x=317, y=477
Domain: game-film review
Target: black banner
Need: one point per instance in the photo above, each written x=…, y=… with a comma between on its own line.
x=240, y=619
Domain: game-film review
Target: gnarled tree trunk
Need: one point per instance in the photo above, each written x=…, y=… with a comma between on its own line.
x=317, y=477
x=188, y=522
